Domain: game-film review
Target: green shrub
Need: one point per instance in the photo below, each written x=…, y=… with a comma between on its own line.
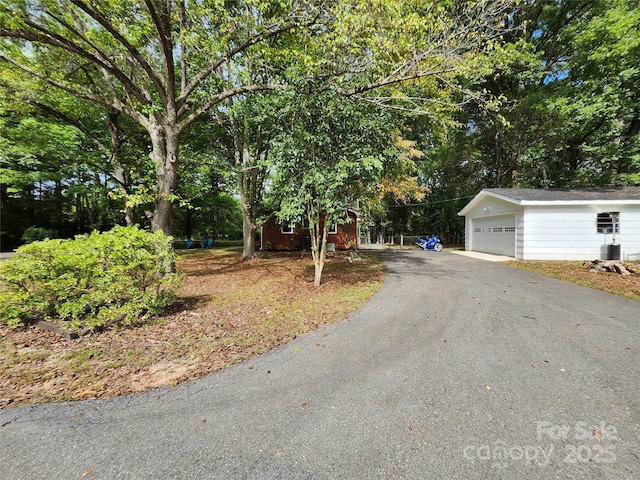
x=34, y=234
x=95, y=281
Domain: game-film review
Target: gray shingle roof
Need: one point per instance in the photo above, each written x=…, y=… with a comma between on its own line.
x=568, y=194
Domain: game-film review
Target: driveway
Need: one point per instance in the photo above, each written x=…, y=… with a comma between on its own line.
x=457, y=368
x=6, y=255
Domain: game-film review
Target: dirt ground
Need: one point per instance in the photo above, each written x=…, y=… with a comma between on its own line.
x=227, y=311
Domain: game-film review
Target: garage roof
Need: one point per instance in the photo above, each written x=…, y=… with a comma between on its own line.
x=559, y=196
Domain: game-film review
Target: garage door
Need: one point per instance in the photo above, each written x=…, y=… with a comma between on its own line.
x=495, y=235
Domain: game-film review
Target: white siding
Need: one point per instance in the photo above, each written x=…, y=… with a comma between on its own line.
x=629, y=237
x=520, y=234
x=569, y=232
x=492, y=206
x=467, y=232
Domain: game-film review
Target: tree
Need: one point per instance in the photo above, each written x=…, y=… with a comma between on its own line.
x=598, y=97
x=37, y=159
x=104, y=167
x=254, y=122
x=398, y=55
x=165, y=63
x=158, y=62
x=398, y=186
x=567, y=83
x=206, y=205
x=332, y=153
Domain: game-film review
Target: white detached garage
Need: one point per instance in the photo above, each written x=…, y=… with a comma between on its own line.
x=555, y=224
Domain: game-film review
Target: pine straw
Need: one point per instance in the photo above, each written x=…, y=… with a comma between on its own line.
x=227, y=311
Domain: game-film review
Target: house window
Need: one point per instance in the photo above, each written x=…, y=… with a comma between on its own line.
x=333, y=229
x=608, y=222
x=286, y=227
x=305, y=223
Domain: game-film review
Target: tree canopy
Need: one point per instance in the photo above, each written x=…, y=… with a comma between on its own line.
x=126, y=111
x=567, y=85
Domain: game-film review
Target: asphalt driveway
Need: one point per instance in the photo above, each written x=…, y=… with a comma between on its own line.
x=457, y=368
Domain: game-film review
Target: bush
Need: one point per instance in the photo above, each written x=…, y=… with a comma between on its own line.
x=94, y=281
x=34, y=234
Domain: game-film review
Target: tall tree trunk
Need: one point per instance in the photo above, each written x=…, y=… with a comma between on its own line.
x=247, y=173
x=249, y=228
x=164, y=154
x=319, y=232
x=246, y=179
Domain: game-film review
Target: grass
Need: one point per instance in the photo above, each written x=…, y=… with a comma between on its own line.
x=227, y=311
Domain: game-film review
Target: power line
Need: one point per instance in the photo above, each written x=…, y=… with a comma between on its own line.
x=424, y=204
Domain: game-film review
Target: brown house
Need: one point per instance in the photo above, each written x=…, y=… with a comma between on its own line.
x=281, y=236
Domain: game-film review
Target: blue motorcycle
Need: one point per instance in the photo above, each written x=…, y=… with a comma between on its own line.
x=429, y=243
